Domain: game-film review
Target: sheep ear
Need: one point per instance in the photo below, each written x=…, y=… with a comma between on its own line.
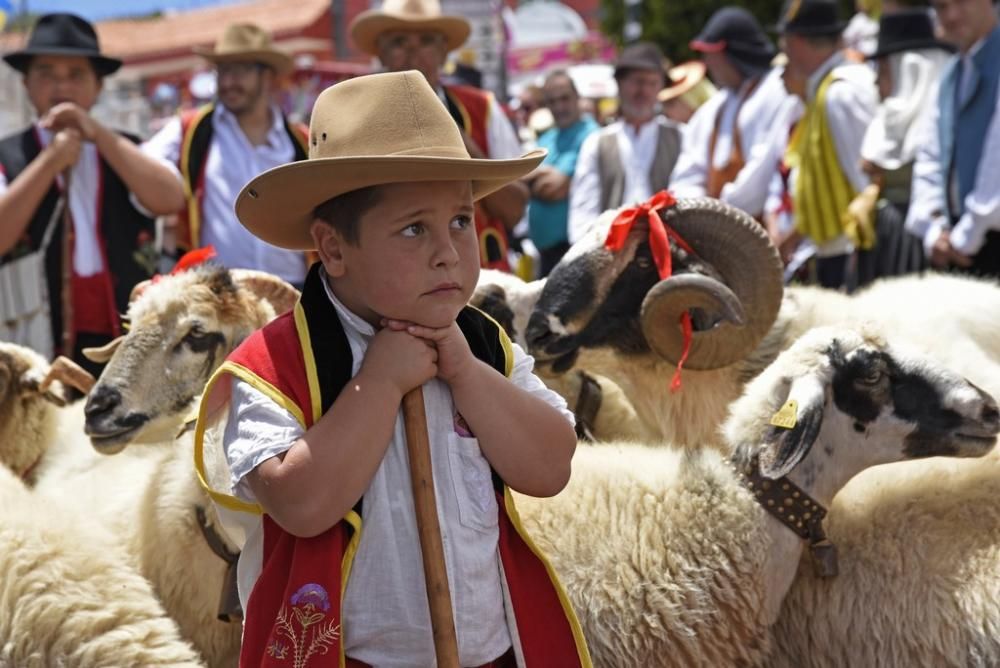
x=794, y=428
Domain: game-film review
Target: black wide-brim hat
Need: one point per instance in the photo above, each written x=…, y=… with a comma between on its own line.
x=63, y=34
x=810, y=17
x=907, y=30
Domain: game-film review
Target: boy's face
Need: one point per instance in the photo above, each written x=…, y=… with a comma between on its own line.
x=417, y=255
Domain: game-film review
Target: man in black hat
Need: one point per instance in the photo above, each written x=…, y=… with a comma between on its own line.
x=632, y=158
x=824, y=151
x=955, y=204
x=725, y=146
x=114, y=189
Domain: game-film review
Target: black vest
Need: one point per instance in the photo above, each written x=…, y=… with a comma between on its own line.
x=127, y=235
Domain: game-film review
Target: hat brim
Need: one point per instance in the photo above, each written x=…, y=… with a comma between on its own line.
x=277, y=205
x=367, y=26
x=687, y=76
x=280, y=62
x=911, y=45
x=103, y=65
x=702, y=46
x=810, y=31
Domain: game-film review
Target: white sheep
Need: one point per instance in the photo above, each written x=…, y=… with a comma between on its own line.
x=181, y=329
x=955, y=320
x=668, y=558
x=70, y=597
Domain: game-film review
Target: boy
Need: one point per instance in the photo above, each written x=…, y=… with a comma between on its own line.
x=308, y=422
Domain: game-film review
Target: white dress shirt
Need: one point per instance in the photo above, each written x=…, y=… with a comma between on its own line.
x=758, y=114
x=385, y=617
x=927, y=216
x=636, y=149
x=233, y=161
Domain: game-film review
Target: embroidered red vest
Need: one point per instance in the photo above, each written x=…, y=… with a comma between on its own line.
x=293, y=615
x=474, y=108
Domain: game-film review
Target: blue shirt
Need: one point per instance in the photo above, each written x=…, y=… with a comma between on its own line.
x=547, y=220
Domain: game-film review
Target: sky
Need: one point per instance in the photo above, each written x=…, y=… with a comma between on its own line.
x=99, y=10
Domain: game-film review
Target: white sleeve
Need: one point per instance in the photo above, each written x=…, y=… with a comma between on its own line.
x=849, y=110
x=982, y=205
x=504, y=144
x=585, y=190
x=690, y=175
x=165, y=145
x=926, y=216
x=749, y=190
x=522, y=375
x=256, y=430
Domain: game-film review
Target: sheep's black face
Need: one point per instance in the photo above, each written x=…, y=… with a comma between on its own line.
x=589, y=301
x=943, y=414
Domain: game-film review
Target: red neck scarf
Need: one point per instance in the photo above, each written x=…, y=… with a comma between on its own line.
x=660, y=238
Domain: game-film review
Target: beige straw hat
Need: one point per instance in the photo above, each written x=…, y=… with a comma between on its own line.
x=374, y=129
x=422, y=15
x=247, y=42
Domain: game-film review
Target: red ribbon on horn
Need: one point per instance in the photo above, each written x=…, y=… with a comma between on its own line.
x=660, y=237
x=193, y=258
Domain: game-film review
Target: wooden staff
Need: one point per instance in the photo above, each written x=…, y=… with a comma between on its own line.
x=68, y=341
x=424, y=504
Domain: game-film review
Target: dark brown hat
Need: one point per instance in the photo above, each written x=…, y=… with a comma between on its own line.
x=640, y=56
x=907, y=30
x=811, y=17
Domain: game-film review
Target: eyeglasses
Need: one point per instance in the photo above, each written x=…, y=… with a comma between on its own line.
x=237, y=69
x=409, y=41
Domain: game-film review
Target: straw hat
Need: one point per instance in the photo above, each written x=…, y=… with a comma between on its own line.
x=422, y=15
x=247, y=42
x=398, y=131
x=683, y=78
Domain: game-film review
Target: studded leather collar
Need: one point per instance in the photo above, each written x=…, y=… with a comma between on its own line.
x=798, y=511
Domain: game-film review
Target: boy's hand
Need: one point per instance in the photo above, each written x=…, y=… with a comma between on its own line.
x=454, y=358
x=401, y=359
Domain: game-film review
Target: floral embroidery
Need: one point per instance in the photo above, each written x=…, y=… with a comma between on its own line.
x=462, y=427
x=305, y=626
x=145, y=254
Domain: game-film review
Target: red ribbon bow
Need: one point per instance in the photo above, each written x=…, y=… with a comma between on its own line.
x=660, y=237
x=190, y=259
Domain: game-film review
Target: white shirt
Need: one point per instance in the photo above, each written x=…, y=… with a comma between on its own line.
x=85, y=178
x=758, y=114
x=233, y=161
x=636, y=148
x=927, y=216
x=385, y=620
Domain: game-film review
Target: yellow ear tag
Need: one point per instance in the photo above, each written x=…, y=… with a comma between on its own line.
x=786, y=416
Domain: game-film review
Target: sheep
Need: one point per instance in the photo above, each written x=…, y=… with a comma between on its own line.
x=602, y=411
x=613, y=329
x=181, y=328
x=666, y=554
x=609, y=312
x=69, y=597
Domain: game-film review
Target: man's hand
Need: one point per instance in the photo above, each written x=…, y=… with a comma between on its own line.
x=65, y=148
x=943, y=254
x=549, y=184
x=68, y=115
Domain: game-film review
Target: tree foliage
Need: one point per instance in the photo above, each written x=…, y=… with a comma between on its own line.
x=673, y=23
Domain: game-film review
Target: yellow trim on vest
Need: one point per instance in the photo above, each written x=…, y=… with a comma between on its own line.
x=354, y=520
x=194, y=214
x=484, y=234
x=515, y=519
x=505, y=342
x=822, y=190
x=312, y=378
x=246, y=375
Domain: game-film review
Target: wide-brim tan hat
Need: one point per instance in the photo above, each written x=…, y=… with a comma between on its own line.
x=371, y=130
x=415, y=15
x=246, y=42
